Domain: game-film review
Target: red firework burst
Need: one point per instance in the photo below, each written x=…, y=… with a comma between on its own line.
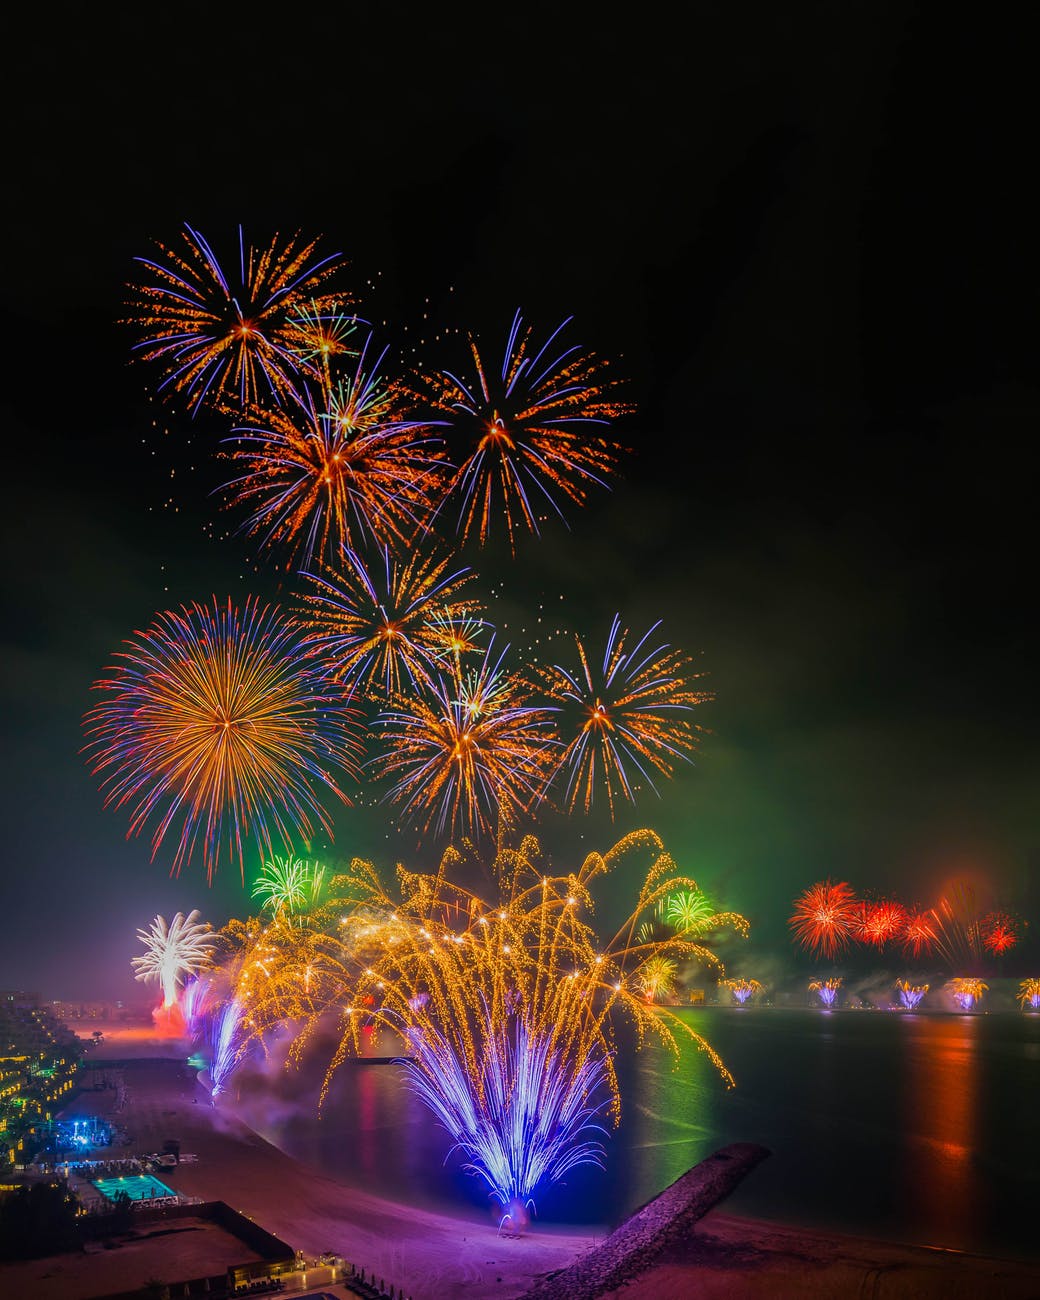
x=824, y=917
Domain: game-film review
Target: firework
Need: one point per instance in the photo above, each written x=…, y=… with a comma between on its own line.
x=879, y=923
x=826, y=990
x=223, y=725
x=172, y=951
x=957, y=922
x=966, y=991
x=195, y=1003
x=467, y=757
x=743, y=990
x=657, y=977
x=918, y=935
x=391, y=626
x=910, y=995
x=229, y=344
x=538, y=1108
x=288, y=884
x=623, y=719
x=688, y=910
x=319, y=336
x=333, y=468
x=999, y=933
x=507, y=1006
x=1029, y=994
x=227, y=1046
x=535, y=431
x=824, y=918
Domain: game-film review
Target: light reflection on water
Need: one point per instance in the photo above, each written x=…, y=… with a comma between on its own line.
x=913, y=1127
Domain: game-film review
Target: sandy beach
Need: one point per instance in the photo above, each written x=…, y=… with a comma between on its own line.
x=700, y=1252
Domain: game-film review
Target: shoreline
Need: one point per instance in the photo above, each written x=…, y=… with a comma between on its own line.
x=700, y=1250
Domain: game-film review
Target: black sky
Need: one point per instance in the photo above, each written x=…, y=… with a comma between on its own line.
x=807, y=234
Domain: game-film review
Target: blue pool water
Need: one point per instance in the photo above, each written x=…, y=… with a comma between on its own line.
x=139, y=1187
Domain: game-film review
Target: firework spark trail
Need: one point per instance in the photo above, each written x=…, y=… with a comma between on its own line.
x=172, y=951
x=390, y=627
x=534, y=431
x=227, y=1047
x=625, y=718
x=231, y=348
x=226, y=724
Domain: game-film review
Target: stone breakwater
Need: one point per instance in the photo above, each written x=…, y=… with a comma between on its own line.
x=661, y=1223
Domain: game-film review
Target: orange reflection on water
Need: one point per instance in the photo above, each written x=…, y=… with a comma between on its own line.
x=942, y=1098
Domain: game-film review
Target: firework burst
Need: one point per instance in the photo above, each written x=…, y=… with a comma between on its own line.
x=625, y=718
x=825, y=918
x=230, y=343
x=390, y=627
x=535, y=431
x=743, y=990
x=289, y=884
x=966, y=991
x=224, y=725
x=335, y=467
x=172, y=951
x=467, y=757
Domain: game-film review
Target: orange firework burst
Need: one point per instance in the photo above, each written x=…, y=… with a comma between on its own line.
x=225, y=724
x=229, y=343
x=880, y=922
x=825, y=917
x=336, y=469
x=467, y=756
x=389, y=626
x=623, y=719
x=534, y=429
x=999, y=933
x=918, y=933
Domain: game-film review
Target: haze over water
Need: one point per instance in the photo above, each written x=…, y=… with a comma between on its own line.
x=914, y=1127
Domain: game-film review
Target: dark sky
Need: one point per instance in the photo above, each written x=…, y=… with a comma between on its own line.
x=807, y=236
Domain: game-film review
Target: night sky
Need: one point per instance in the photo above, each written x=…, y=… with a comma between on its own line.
x=807, y=238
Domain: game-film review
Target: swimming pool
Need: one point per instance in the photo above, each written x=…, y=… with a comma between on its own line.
x=139, y=1187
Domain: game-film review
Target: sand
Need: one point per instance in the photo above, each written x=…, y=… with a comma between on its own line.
x=701, y=1252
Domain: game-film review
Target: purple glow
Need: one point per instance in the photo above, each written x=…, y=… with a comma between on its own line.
x=537, y=1102
x=227, y=1048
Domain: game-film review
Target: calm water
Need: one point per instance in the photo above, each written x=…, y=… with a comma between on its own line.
x=919, y=1128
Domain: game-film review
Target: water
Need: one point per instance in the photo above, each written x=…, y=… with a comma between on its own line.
x=911, y=1127
x=139, y=1187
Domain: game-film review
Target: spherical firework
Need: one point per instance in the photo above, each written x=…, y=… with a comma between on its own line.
x=999, y=933
x=918, y=933
x=319, y=336
x=388, y=627
x=231, y=345
x=335, y=468
x=468, y=756
x=824, y=917
x=879, y=923
x=533, y=430
x=222, y=725
x=623, y=719
x=688, y=910
x=172, y=951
